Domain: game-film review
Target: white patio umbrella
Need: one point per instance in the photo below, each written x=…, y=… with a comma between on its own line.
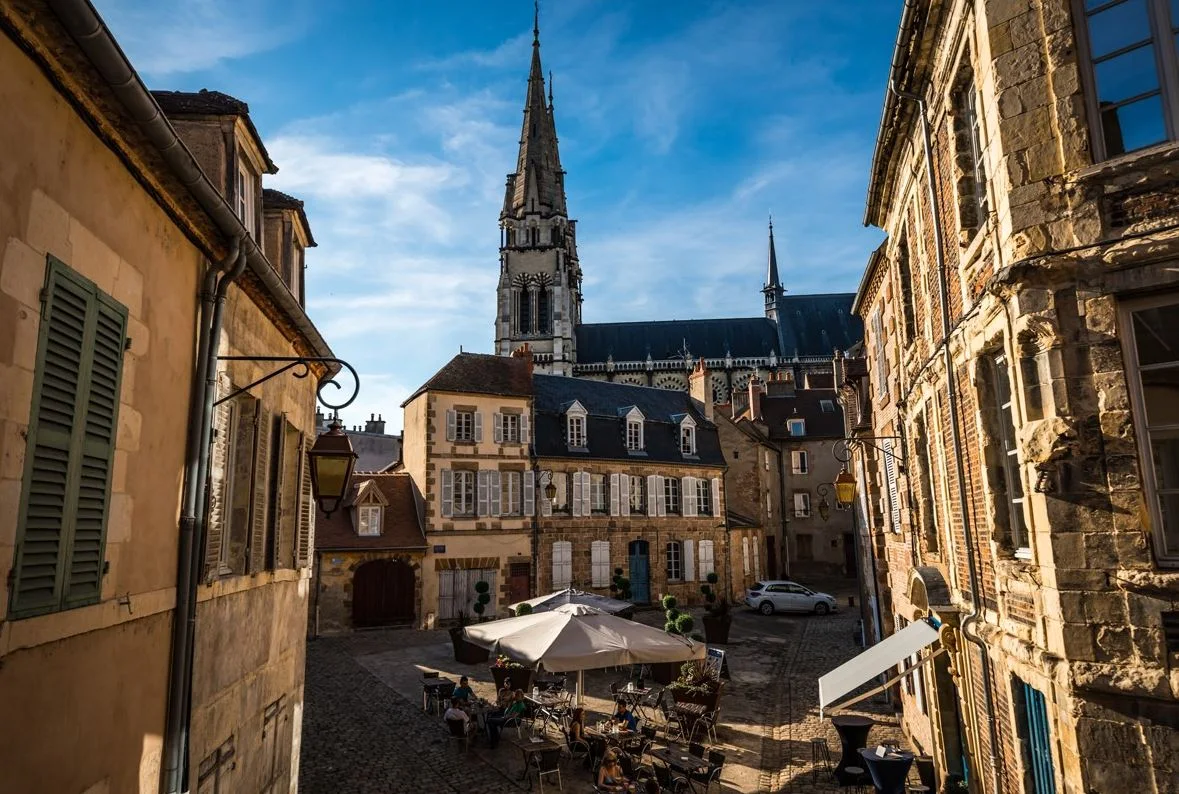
x=578, y=637
x=571, y=596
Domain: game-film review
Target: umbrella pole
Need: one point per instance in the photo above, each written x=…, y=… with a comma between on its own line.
x=580, y=684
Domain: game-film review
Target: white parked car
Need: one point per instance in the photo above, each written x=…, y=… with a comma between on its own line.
x=780, y=595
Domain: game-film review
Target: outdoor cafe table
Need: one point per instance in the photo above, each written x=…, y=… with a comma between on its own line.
x=853, y=734
x=430, y=685
x=620, y=737
x=678, y=758
x=633, y=694
x=530, y=747
x=689, y=713
x=888, y=771
x=545, y=705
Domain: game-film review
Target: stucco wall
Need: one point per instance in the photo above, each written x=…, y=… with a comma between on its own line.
x=89, y=682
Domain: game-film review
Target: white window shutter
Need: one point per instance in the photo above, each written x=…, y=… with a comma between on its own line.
x=661, y=494
x=706, y=561
x=689, y=560
x=524, y=429
x=478, y=426
x=576, y=506
x=614, y=494
x=495, y=490
x=481, y=479
x=652, y=500
x=450, y=423
x=498, y=418
x=529, y=492
x=716, y=503
x=624, y=494
x=447, y=492
x=688, y=489
x=586, y=501
x=446, y=608
x=890, y=476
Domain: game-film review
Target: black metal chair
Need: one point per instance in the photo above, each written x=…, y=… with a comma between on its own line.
x=440, y=695
x=705, y=725
x=669, y=781
x=716, y=762
x=546, y=763
x=671, y=720
x=460, y=730
x=577, y=749
x=652, y=704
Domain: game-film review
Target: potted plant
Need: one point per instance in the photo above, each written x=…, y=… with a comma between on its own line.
x=696, y=684
x=717, y=618
x=664, y=673
x=504, y=669
x=620, y=585
x=466, y=652
x=482, y=598
x=524, y=609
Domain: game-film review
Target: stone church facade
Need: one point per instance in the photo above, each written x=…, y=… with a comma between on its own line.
x=540, y=295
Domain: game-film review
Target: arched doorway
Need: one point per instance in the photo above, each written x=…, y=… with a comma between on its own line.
x=382, y=593
x=640, y=571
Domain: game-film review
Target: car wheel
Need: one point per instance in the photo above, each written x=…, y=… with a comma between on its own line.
x=766, y=608
x=821, y=608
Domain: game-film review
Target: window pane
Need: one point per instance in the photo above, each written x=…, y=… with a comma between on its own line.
x=1165, y=451
x=1156, y=333
x=1127, y=75
x=1117, y=27
x=1134, y=126
x=1160, y=393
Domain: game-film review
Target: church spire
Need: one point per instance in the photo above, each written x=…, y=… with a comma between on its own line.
x=773, y=289
x=538, y=185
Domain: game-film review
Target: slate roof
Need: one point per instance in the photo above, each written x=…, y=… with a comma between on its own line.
x=479, y=373
x=401, y=529
x=664, y=339
x=815, y=325
x=606, y=428
x=804, y=404
x=211, y=103
x=276, y=199
x=375, y=452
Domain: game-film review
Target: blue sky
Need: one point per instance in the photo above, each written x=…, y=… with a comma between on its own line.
x=681, y=125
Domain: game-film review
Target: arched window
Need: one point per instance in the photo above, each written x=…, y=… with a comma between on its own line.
x=523, y=312
x=544, y=310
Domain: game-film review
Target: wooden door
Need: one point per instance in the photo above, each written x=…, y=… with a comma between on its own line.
x=382, y=593
x=518, y=582
x=640, y=572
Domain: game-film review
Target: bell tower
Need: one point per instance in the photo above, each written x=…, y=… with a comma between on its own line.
x=539, y=292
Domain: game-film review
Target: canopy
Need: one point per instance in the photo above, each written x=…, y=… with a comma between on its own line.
x=874, y=661
x=571, y=596
x=579, y=637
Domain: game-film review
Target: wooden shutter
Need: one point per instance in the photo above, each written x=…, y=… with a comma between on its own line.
x=446, y=607
x=217, y=514
x=707, y=563
x=499, y=427
x=451, y=419
x=890, y=476
x=614, y=500
x=61, y=540
x=529, y=493
x=447, y=492
x=652, y=502
x=305, y=538
x=478, y=425
x=495, y=492
x=624, y=494
x=586, y=489
x=661, y=495
x=562, y=564
x=689, y=560
x=481, y=486
x=525, y=433
x=260, y=500
x=688, y=496
x=600, y=563
x=278, y=454
x=716, y=497
x=576, y=493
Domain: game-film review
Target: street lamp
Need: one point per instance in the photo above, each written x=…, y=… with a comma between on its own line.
x=824, y=505
x=331, y=461
x=550, y=490
x=845, y=488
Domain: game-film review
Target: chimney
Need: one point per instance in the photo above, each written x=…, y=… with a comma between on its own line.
x=320, y=419
x=375, y=424
x=524, y=351
x=781, y=385
x=700, y=387
x=756, y=390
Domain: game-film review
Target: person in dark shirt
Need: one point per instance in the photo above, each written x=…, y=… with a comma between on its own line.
x=625, y=718
x=463, y=691
x=516, y=709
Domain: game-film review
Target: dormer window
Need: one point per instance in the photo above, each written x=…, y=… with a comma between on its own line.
x=368, y=509
x=368, y=520
x=687, y=436
x=634, y=430
x=245, y=195
x=575, y=434
x=796, y=427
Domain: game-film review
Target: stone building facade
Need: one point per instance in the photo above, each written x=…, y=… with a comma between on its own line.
x=112, y=230
x=1020, y=333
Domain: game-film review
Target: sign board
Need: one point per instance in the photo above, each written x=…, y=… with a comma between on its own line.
x=439, y=549
x=715, y=663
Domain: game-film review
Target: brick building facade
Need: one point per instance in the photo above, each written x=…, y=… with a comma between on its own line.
x=1021, y=320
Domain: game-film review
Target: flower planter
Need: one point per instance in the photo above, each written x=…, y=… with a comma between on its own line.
x=709, y=700
x=467, y=652
x=716, y=629
x=521, y=677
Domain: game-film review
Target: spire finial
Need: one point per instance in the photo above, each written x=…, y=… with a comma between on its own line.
x=550, y=88
x=535, y=23
x=771, y=222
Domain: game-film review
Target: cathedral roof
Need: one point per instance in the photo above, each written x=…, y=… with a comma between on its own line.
x=664, y=339
x=538, y=185
x=817, y=325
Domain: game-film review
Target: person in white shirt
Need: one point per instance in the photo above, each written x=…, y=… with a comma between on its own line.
x=455, y=713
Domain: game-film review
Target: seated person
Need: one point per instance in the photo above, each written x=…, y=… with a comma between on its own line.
x=504, y=696
x=610, y=776
x=463, y=691
x=577, y=725
x=456, y=713
x=625, y=718
x=516, y=709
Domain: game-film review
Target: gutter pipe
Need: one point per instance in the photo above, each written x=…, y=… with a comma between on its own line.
x=952, y=396
x=84, y=25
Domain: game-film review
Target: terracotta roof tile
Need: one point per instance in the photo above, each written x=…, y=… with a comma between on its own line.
x=401, y=529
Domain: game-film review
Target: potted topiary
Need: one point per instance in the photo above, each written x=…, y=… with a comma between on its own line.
x=466, y=652
x=696, y=684
x=505, y=669
x=664, y=672
x=482, y=598
x=620, y=585
x=524, y=609
x=717, y=618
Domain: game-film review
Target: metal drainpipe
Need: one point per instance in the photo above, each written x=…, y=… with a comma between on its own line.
x=955, y=429
x=175, y=748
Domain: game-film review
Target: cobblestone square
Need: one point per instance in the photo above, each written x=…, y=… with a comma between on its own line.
x=364, y=729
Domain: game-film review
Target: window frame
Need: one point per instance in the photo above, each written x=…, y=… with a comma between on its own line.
x=464, y=425
x=704, y=505
x=791, y=424
x=576, y=431
x=511, y=486
x=634, y=435
x=596, y=563
x=799, y=462
x=805, y=510
x=566, y=564
x=1007, y=425
x=369, y=510
x=246, y=179
x=1166, y=59
x=638, y=495
x=673, y=558
x=467, y=476
x=964, y=110
x=599, y=494
x=687, y=439
x=510, y=428
x=672, y=495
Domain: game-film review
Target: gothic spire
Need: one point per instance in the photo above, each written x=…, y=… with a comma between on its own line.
x=538, y=185
x=773, y=290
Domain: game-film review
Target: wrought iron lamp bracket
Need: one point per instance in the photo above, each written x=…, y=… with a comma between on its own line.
x=842, y=449
x=290, y=362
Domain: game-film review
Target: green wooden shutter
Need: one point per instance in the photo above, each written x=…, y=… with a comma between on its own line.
x=260, y=501
x=221, y=463
x=306, y=506
x=73, y=424
x=278, y=455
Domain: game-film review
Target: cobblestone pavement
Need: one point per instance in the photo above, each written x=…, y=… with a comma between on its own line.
x=364, y=730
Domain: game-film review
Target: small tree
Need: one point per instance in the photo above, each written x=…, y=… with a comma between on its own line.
x=716, y=608
x=524, y=609
x=620, y=585
x=482, y=598
x=672, y=615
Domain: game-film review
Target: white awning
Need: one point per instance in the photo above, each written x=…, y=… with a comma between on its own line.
x=874, y=661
